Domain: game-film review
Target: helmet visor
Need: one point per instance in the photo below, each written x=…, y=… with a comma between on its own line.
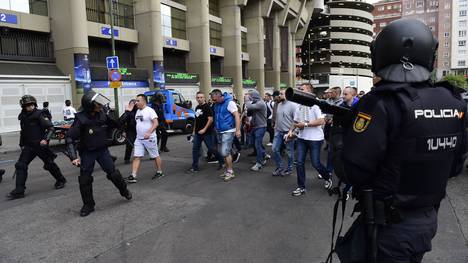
x=100, y=99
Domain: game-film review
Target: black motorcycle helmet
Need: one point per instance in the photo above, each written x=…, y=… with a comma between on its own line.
x=27, y=100
x=91, y=98
x=404, y=51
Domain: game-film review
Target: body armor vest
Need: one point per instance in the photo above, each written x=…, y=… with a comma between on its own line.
x=94, y=131
x=422, y=150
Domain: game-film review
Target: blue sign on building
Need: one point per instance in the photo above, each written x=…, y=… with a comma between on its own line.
x=125, y=84
x=112, y=62
x=213, y=50
x=171, y=42
x=107, y=31
x=8, y=18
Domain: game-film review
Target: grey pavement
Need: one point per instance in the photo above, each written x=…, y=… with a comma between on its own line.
x=186, y=217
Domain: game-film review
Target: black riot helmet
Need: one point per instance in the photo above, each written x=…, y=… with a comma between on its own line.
x=90, y=99
x=27, y=100
x=404, y=51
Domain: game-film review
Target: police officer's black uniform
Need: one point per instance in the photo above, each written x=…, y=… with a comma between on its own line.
x=404, y=143
x=129, y=125
x=161, y=131
x=90, y=127
x=35, y=127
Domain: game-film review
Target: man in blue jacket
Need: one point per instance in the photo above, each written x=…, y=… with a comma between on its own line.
x=227, y=125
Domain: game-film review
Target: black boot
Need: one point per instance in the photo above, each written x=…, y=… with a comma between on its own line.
x=86, y=210
x=15, y=195
x=60, y=183
x=127, y=194
x=2, y=172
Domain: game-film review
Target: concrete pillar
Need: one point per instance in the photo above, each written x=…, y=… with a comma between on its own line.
x=289, y=76
x=273, y=76
x=69, y=31
x=255, y=43
x=150, y=42
x=232, y=42
x=198, y=33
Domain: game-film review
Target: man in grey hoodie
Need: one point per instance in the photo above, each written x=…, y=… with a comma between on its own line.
x=257, y=109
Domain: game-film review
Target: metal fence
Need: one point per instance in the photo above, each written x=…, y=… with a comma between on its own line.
x=22, y=45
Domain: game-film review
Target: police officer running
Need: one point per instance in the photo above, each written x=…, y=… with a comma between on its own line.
x=410, y=136
x=36, y=132
x=90, y=128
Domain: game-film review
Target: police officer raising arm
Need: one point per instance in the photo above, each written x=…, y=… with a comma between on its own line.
x=410, y=135
x=90, y=128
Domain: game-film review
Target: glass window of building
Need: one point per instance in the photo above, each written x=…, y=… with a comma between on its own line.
x=462, y=33
x=173, y=22
x=215, y=34
x=462, y=12
x=462, y=43
x=461, y=63
x=462, y=23
x=214, y=7
x=244, y=41
x=37, y=7
x=419, y=4
x=98, y=11
x=446, y=34
x=180, y=1
x=446, y=44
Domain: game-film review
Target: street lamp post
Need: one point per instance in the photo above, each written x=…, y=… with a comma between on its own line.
x=111, y=13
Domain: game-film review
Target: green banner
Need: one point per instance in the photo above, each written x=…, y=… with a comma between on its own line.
x=249, y=83
x=221, y=81
x=172, y=77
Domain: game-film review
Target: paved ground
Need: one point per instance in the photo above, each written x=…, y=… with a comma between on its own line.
x=188, y=217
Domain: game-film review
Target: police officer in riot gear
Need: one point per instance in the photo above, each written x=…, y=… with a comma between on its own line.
x=410, y=137
x=90, y=128
x=36, y=132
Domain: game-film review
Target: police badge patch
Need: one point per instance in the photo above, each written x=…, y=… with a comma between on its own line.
x=361, y=122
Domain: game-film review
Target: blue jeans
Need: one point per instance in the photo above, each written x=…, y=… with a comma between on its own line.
x=225, y=139
x=210, y=144
x=303, y=146
x=278, y=142
x=258, y=134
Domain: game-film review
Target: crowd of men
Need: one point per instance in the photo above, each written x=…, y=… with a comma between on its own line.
x=224, y=126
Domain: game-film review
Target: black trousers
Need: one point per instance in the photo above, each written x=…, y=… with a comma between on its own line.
x=409, y=240
x=129, y=145
x=270, y=130
x=28, y=153
x=162, y=135
x=104, y=159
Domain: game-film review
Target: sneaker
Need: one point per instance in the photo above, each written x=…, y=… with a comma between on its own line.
x=319, y=176
x=131, y=179
x=298, y=191
x=328, y=184
x=236, y=157
x=257, y=167
x=278, y=171
x=193, y=170
x=211, y=160
x=229, y=176
x=267, y=156
x=222, y=175
x=286, y=173
x=158, y=175
x=269, y=144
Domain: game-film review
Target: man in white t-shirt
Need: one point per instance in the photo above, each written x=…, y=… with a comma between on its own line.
x=308, y=121
x=146, y=124
x=68, y=111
